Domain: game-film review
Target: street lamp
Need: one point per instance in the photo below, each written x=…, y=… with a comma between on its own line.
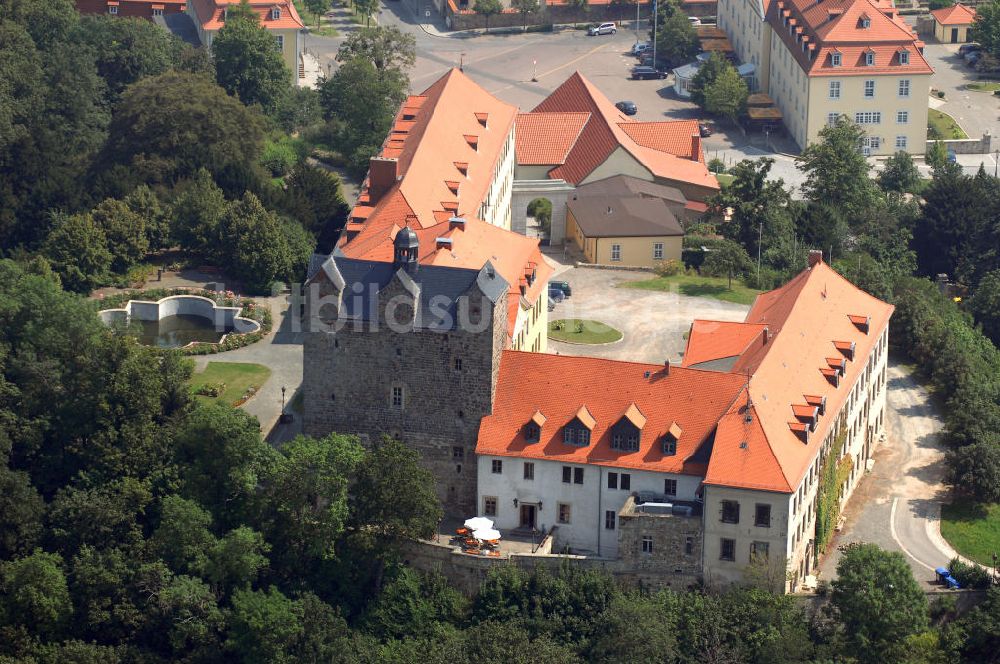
x=534, y=71
x=461, y=62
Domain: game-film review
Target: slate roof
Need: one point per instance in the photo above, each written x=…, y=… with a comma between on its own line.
x=615, y=216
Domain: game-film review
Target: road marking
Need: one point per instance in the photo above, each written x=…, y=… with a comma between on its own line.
x=555, y=69
x=438, y=73
x=892, y=531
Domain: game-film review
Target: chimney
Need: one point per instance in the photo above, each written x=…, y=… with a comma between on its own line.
x=666, y=367
x=765, y=334
x=815, y=257
x=382, y=175
x=695, y=147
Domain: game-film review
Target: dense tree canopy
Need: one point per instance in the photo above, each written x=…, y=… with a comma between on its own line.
x=248, y=64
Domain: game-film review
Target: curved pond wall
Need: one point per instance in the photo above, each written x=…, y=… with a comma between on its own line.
x=223, y=318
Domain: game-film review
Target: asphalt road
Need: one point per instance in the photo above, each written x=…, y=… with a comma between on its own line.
x=898, y=504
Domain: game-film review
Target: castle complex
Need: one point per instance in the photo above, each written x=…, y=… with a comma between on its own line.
x=428, y=323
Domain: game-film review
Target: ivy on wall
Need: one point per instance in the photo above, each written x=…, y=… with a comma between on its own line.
x=832, y=475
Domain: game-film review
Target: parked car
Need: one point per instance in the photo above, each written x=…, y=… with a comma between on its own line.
x=952, y=157
x=555, y=295
x=972, y=57
x=644, y=73
x=965, y=49
x=639, y=48
x=602, y=29
x=694, y=20
x=627, y=107
x=552, y=304
x=562, y=286
x=704, y=129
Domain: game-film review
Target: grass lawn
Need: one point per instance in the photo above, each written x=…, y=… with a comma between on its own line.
x=725, y=179
x=696, y=286
x=314, y=22
x=984, y=86
x=974, y=530
x=582, y=331
x=237, y=376
x=944, y=124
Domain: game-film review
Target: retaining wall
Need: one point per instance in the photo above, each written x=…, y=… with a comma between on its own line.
x=189, y=305
x=968, y=145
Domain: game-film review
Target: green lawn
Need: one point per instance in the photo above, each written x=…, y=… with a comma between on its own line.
x=237, y=377
x=974, y=530
x=942, y=126
x=725, y=179
x=696, y=286
x=984, y=86
x=582, y=331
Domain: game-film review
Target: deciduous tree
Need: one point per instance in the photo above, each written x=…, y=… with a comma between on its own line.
x=900, y=174
x=125, y=231
x=727, y=94
x=727, y=258
x=389, y=49
x=247, y=62
x=837, y=172
x=488, y=8
x=35, y=593
x=77, y=248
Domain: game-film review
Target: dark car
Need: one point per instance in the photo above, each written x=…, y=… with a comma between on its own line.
x=972, y=57
x=642, y=73
x=562, y=286
x=555, y=295
x=704, y=129
x=627, y=107
x=965, y=49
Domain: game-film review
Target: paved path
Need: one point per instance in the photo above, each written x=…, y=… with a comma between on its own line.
x=654, y=323
x=898, y=504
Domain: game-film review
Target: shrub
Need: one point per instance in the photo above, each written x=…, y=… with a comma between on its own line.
x=211, y=389
x=970, y=576
x=940, y=94
x=716, y=165
x=669, y=268
x=278, y=157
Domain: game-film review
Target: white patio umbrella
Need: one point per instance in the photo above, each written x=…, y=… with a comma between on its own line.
x=478, y=523
x=487, y=534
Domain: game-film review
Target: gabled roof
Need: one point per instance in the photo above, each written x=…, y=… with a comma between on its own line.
x=711, y=340
x=614, y=216
x=957, y=14
x=688, y=399
x=603, y=134
x=211, y=13
x=545, y=139
x=673, y=136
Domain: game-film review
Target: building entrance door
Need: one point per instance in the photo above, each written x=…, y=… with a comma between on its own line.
x=528, y=516
x=954, y=35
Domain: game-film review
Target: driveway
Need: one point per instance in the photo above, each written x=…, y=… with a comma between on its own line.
x=654, y=323
x=898, y=504
x=976, y=112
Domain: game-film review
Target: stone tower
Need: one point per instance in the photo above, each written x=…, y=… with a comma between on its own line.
x=406, y=350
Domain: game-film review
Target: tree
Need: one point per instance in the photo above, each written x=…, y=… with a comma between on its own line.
x=937, y=156
x=186, y=617
x=939, y=4
x=676, y=40
x=414, y=604
x=155, y=217
x=974, y=470
x=264, y=626
x=900, y=174
x=183, y=539
x=823, y=227
x=254, y=246
x=125, y=232
x=524, y=8
x=21, y=511
x=727, y=94
x=128, y=49
x=389, y=49
x=634, y=629
x=107, y=513
x=985, y=305
x=318, y=7
x=314, y=197
x=488, y=8
x=366, y=8
x=986, y=27
x=727, y=258
x=35, y=593
x=247, y=64
x=78, y=250
x=581, y=7
x=197, y=209
x=878, y=603
x=237, y=559
x=837, y=172
x=167, y=127
x=707, y=73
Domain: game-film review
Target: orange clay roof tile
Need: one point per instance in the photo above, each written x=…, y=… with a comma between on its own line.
x=714, y=340
x=673, y=136
x=530, y=382
x=545, y=139
x=957, y=14
x=211, y=14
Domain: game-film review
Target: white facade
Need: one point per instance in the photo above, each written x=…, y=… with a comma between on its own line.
x=495, y=206
x=592, y=505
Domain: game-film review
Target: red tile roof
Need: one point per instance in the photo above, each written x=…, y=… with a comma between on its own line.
x=211, y=13
x=559, y=386
x=957, y=14
x=836, y=26
x=603, y=134
x=545, y=139
x=673, y=136
x=714, y=340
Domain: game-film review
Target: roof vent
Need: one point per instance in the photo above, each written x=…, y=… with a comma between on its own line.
x=443, y=243
x=473, y=141
x=482, y=118
x=645, y=374
x=744, y=445
x=463, y=167
x=456, y=222
x=863, y=323
x=815, y=257
x=847, y=348
x=666, y=367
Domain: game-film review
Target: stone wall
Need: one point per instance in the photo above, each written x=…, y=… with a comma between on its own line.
x=671, y=536
x=461, y=17
x=349, y=376
x=968, y=145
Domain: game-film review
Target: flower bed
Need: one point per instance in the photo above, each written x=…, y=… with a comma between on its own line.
x=249, y=309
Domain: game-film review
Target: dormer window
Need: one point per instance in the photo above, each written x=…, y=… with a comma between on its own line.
x=532, y=433
x=626, y=432
x=275, y=13
x=577, y=431
x=865, y=22
x=846, y=348
x=670, y=438
x=835, y=59
x=863, y=323
x=869, y=58
x=904, y=57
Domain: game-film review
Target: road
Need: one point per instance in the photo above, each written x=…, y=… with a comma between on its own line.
x=898, y=504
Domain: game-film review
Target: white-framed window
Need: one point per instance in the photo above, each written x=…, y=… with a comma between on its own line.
x=275, y=13
x=835, y=59
x=901, y=142
x=647, y=544
x=490, y=505
x=157, y=12
x=869, y=88
x=113, y=10
x=904, y=87
x=834, y=89
x=870, y=58
x=279, y=41
x=904, y=57
x=831, y=118
x=657, y=251
x=616, y=252
x=902, y=117
x=497, y=466
x=868, y=117
x=866, y=22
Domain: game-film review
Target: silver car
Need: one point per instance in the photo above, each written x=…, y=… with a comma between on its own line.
x=602, y=29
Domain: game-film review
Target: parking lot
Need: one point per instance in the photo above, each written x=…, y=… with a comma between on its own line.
x=654, y=324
